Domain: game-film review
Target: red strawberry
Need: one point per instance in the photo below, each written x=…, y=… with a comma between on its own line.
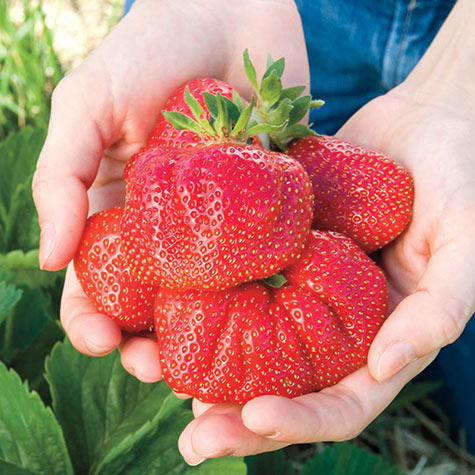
x=362, y=194
x=252, y=340
x=101, y=269
x=213, y=217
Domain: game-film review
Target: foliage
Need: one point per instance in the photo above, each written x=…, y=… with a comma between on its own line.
x=29, y=68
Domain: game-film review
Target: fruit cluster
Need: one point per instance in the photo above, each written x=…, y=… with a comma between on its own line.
x=243, y=242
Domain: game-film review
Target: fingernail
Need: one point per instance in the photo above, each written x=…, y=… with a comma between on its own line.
x=194, y=464
x=273, y=436
x=95, y=349
x=396, y=357
x=47, y=243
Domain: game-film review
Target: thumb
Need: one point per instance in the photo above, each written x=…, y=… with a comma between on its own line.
x=67, y=166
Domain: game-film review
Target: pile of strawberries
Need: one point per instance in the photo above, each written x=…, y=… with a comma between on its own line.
x=243, y=242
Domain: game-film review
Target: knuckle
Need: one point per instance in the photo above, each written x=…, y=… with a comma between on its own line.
x=453, y=321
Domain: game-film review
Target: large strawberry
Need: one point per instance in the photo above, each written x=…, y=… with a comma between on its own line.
x=253, y=340
x=360, y=193
x=105, y=278
x=213, y=217
x=208, y=210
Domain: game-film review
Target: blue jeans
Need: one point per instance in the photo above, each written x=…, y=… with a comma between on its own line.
x=358, y=50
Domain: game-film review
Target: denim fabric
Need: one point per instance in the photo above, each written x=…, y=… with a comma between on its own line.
x=357, y=51
x=360, y=49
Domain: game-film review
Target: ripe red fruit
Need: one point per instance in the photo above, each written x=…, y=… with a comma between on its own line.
x=252, y=340
x=105, y=278
x=359, y=193
x=213, y=217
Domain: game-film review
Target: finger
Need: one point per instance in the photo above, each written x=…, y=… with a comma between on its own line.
x=90, y=332
x=139, y=356
x=200, y=407
x=431, y=317
x=67, y=166
x=219, y=432
x=337, y=413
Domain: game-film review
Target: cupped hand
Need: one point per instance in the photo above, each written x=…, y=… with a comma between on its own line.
x=104, y=111
x=430, y=275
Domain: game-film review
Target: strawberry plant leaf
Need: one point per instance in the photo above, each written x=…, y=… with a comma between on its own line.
x=276, y=66
x=269, y=463
x=31, y=440
x=114, y=423
x=9, y=296
x=22, y=269
x=300, y=108
x=250, y=71
x=212, y=105
x=18, y=219
x=292, y=92
x=271, y=89
x=182, y=122
x=346, y=458
x=24, y=322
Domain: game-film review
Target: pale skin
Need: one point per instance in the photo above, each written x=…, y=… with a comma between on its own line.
x=103, y=112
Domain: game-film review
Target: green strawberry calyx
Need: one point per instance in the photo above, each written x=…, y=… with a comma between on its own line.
x=275, y=281
x=228, y=119
x=282, y=108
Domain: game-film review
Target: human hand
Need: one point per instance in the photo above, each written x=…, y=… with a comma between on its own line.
x=104, y=111
x=431, y=282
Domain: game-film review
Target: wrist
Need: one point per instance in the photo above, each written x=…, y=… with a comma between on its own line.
x=444, y=75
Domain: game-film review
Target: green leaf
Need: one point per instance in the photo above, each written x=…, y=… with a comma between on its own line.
x=18, y=218
x=182, y=122
x=270, y=463
x=115, y=424
x=24, y=322
x=277, y=66
x=31, y=441
x=300, y=108
x=292, y=92
x=281, y=114
x=23, y=269
x=262, y=129
x=243, y=119
x=346, y=458
x=9, y=296
x=212, y=104
x=276, y=281
x=250, y=71
x=237, y=99
x=29, y=362
x=295, y=131
x=271, y=89
x=232, y=110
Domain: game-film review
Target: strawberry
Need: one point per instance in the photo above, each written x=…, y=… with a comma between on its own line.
x=252, y=340
x=215, y=216
x=205, y=208
x=362, y=194
x=103, y=274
